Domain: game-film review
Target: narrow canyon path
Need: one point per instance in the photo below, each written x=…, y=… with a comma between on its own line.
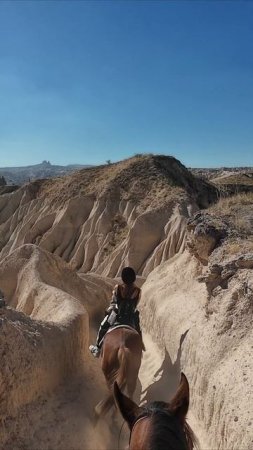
x=63, y=421
x=159, y=378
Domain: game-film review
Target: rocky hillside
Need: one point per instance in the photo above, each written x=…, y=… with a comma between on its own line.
x=196, y=301
x=4, y=188
x=98, y=219
x=229, y=181
x=45, y=332
x=211, y=174
x=199, y=305
x=21, y=175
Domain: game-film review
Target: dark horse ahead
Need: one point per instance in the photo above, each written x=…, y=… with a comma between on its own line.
x=159, y=425
x=121, y=360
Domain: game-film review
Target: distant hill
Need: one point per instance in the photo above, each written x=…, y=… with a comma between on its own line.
x=20, y=175
x=229, y=180
x=214, y=173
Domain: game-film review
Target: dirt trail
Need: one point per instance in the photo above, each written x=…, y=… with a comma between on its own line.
x=63, y=421
x=159, y=380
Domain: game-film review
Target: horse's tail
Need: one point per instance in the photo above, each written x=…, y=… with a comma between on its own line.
x=123, y=358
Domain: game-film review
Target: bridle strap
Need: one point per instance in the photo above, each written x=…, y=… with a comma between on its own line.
x=145, y=416
x=135, y=423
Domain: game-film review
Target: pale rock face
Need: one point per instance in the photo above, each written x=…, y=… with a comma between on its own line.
x=204, y=234
x=197, y=305
x=209, y=337
x=94, y=235
x=40, y=351
x=132, y=212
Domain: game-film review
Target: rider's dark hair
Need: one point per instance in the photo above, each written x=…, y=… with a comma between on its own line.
x=128, y=275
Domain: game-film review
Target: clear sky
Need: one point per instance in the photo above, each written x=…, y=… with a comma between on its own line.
x=86, y=81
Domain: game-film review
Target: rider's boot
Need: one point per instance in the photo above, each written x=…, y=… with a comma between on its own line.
x=96, y=349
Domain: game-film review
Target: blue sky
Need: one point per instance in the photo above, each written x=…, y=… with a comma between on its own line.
x=87, y=81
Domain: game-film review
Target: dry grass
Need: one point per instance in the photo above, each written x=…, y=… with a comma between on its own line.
x=150, y=181
x=237, y=246
x=235, y=179
x=226, y=205
x=118, y=233
x=237, y=210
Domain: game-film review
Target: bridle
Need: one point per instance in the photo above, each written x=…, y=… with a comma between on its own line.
x=151, y=413
x=146, y=416
x=131, y=431
x=135, y=423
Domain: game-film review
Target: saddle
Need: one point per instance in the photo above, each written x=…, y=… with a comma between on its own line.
x=129, y=327
x=121, y=326
x=114, y=326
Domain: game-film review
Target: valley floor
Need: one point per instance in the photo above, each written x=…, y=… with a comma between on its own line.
x=63, y=421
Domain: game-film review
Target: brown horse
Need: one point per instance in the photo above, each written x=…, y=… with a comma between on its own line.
x=121, y=360
x=159, y=425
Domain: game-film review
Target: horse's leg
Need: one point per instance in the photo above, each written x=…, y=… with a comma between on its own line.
x=132, y=379
x=104, y=405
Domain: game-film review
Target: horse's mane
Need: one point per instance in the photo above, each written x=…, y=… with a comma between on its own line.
x=167, y=432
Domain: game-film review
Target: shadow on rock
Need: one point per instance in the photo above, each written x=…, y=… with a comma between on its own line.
x=169, y=376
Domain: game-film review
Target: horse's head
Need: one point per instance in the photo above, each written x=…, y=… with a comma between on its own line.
x=158, y=425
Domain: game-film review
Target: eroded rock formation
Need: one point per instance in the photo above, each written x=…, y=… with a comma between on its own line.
x=196, y=302
x=44, y=328
x=133, y=212
x=206, y=297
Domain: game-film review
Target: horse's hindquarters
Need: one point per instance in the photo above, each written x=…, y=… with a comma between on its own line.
x=121, y=360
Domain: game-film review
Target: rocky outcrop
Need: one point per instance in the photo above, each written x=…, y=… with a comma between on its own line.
x=131, y=213
x=217, y=275
x=103, y=236
x=205, y=233
x=199, y=306
x=221, y=243
x=45, y=327
x=210, y=339
x=37, y=357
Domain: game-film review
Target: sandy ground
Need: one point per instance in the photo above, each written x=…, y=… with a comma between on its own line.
x=63, y=421
x=159, y=380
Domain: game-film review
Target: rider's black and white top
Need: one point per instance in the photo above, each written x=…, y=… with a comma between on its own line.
x=125, y=299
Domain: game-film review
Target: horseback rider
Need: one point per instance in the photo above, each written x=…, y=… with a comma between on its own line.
x=122, y=309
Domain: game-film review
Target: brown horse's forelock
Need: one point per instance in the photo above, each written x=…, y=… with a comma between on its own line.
x=167, y=432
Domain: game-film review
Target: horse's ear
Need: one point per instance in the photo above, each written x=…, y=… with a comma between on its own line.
x=127, y=407
x=180, y=402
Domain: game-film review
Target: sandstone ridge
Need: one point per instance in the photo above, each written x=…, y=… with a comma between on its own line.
x=199, y=306
x=133, y=212
x=196, y=302
x=45, y=332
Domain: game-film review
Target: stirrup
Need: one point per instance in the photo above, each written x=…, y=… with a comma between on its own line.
x=95, y=351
